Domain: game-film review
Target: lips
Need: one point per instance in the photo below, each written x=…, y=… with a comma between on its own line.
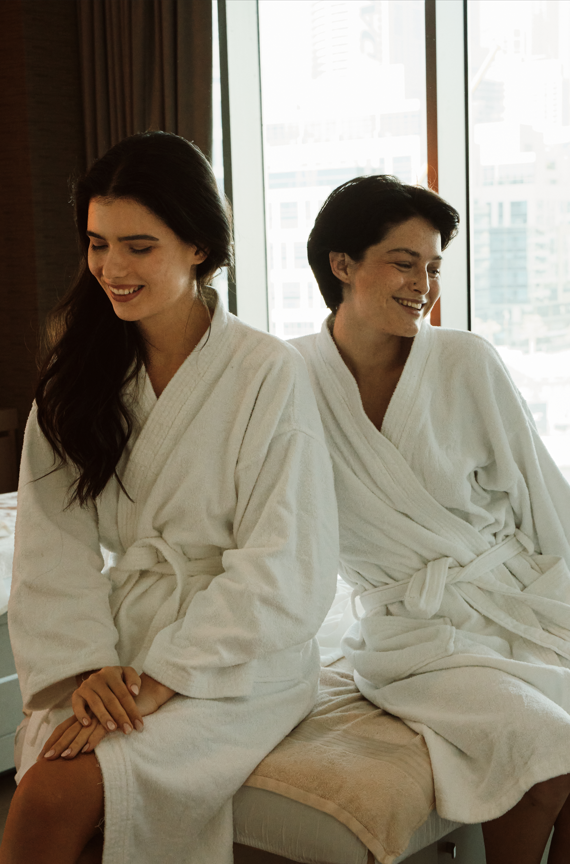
x=124, y=290
x=417, y=305
x=124, y=293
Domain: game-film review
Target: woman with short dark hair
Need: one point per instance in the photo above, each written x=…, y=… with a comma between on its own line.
x=188, y=446
x=454, y=523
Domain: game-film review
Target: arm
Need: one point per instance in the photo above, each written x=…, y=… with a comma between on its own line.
x=59, y=616
x=280, y=578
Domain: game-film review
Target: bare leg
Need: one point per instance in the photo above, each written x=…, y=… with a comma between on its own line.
x=520, y=835
x=93, y=852
x=560, y=846
x=54, y=812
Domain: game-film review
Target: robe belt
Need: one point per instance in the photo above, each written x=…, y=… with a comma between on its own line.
x=423, y=592
x=154, y=553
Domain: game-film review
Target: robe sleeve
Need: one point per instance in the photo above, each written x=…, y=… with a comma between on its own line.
x=538, y=492
x=59, y=617
x=280, y=580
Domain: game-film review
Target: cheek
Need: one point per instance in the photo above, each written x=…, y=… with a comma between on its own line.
x=93, y=265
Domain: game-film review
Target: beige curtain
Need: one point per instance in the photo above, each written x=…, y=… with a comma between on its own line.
x=145, y=64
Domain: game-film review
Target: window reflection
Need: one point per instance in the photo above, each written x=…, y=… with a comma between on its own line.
x=343, y=94
x=520, y=200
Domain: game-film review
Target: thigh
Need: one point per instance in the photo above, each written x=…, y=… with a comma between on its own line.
x=490, y=736
x=168, y=789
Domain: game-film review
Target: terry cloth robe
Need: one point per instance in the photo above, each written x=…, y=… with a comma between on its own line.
x=224, y=568
x=455, y=530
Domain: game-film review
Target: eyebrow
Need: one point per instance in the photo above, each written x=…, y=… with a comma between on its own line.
x=413, y=254
x=127, y=237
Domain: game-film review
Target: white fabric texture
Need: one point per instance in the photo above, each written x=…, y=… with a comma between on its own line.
x=222, y=571
x=455, y=528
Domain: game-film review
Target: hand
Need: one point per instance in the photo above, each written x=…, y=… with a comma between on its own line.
x=106, y=693
x=71, y=738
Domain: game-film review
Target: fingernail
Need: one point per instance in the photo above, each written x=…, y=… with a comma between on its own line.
x=48, y=754
x=138, y=726
x=111, y=726
x=127, y=729
x=66, y=752
x=85, y=749
x=85, y=721
x=135, y=689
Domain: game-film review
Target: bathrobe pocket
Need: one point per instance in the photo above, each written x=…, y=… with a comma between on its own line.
x=403, y=646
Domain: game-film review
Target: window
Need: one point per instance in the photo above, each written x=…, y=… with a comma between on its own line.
x=519, y=172
x=291, y=295
x=345, y=51
x=501, y=129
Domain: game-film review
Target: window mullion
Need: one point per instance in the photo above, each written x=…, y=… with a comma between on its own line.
x=243, y=156
x=452, y=153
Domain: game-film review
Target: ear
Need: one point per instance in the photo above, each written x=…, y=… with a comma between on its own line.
x=340, y=263
x=200, y=255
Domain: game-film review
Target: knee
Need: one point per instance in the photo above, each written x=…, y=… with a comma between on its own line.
x=550, y=795
x=59, y=789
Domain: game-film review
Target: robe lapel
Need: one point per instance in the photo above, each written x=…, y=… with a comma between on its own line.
x=380, y=465
x=164, y=420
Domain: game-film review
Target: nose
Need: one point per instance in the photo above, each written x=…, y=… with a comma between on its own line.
x=421, y=284
x=114, y=265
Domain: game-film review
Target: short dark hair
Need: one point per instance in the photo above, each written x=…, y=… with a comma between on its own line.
x=360, y=213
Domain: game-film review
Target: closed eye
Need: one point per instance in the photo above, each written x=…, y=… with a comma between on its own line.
x=95, y=246
x=141, y=251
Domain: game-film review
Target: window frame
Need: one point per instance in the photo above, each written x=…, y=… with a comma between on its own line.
x=242, y=125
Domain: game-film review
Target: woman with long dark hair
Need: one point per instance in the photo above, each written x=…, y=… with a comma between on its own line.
x=454, y=523
x=188, y=446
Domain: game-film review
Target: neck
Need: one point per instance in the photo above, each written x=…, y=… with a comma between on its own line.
x=173, y=336
x=367, y=352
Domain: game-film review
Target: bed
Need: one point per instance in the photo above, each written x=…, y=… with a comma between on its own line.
x=288, y=813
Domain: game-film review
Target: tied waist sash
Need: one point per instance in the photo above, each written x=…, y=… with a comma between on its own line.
x=423, y=592
x=155, y=555
x=548, y=595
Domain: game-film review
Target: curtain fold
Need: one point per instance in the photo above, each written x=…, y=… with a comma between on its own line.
x=145, y=64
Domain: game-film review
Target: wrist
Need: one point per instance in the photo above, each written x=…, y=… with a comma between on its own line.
x=161, y=692
x=83, y=676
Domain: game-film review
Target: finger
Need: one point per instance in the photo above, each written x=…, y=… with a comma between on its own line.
x=132, y=680
x=56, y=735
x=107, y=689
x=95, y=738
x=80, y=708
x=128, y=704
x=109, y=711
x=64, y=741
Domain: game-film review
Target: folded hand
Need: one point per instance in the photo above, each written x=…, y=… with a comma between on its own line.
x=106, y=694
x=70, y=738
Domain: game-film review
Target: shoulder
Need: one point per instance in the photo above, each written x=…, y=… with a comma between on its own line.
x=305, y=345
x=275, y=375
x=464, y=348
x=259, y=351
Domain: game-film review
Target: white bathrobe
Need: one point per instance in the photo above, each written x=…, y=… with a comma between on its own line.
x=224, y=568
x=455, y=535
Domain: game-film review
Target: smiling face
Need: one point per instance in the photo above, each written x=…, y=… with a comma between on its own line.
x=396, y=284
x=147, y=272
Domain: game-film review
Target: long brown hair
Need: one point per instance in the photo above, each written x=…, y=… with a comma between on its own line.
x=90, y=353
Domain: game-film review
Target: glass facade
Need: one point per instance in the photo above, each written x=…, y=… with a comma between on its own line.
x=519, y=71
x=343, y=95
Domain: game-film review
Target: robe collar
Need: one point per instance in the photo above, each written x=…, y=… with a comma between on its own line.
x=406, y=394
